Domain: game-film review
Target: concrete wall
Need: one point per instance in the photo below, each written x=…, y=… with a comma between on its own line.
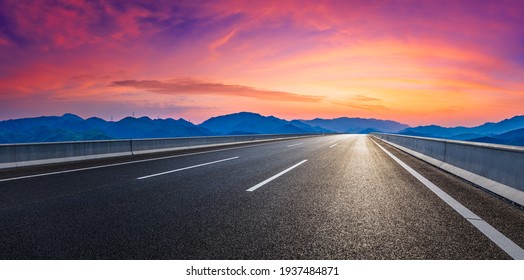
x=7, y=156
x=18, y=155
x=498, y=168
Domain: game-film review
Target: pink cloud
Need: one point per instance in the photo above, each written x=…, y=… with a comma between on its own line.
x=191, y=87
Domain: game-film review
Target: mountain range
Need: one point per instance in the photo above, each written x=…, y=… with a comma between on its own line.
x=70, y=127
x=248, y=123
x=508, y=132
x=357, y=125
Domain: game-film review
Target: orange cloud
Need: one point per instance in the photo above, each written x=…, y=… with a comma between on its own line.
x=190, y=86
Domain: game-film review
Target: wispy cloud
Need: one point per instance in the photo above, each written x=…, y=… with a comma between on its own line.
x=364, y=98
x=363, y=105
x=191, y=87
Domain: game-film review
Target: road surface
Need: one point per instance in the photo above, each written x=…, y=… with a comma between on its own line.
x=329, y=197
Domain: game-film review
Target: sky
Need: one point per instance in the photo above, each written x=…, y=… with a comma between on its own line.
x=416, y=62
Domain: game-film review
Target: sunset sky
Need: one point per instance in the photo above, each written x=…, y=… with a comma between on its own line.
x=416, y=62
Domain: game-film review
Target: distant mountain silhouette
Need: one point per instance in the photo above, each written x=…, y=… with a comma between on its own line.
x=305, y=126
x=462, y=133
x=253, y=123
x=435, y=131
x=500, y=127
x=356, y=125
x=513, y=137
x=70, y=127
x=49, y=134
x=369, y=130
x=465, y=136
x=145, y=127
x=507, y=132
x=67, y=121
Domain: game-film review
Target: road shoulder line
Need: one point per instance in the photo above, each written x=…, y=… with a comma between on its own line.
x=508, y=246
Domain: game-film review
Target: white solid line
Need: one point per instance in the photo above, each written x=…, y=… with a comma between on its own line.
x=295, y=145
x=127, y=162
x=274, y=177
x=333, y=145
x=185, y=168
x=508, y=246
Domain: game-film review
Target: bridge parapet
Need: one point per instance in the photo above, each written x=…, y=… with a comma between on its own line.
x=497, y=168
x=29, y=154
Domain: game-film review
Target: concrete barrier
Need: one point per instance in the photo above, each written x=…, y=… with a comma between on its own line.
x=7, y=156
x=497, y=168
x=43, y=153
x=29, y=154
x=213, y=140
x=112, y=148
x=143, y=146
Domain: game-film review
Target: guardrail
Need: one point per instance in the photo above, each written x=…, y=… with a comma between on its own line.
x=28, y=154
x=497, y=168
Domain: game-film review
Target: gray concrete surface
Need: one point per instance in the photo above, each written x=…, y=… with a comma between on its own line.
x=7, y=156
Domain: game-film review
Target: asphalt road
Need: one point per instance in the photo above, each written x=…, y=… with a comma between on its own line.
x=331, y=197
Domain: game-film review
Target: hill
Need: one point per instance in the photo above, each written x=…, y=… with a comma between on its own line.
x=70, y=127
x=463, y=133
x=356, y=125
x=513, y=137
x=253, y=123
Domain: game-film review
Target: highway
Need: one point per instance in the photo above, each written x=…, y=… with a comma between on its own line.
x=328, y=197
